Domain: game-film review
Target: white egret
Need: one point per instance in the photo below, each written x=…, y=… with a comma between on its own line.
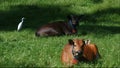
x=20, y=24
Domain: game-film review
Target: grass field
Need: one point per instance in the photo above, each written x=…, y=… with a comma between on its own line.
x=22, y=49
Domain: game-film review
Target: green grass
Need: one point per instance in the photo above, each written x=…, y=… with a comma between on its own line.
x=101, y=25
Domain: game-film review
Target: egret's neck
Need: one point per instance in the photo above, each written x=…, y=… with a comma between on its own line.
x=22, y=20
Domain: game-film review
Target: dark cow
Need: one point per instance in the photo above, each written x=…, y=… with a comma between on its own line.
x=59, y=27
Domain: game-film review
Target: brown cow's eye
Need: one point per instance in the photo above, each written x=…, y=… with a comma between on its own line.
x=74, y=45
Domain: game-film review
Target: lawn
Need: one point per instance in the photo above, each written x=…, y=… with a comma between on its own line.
x=100, y=24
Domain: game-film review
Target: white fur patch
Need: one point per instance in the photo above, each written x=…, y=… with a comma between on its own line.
x=87, y=42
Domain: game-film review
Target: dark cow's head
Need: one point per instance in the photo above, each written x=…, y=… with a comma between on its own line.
x=73, y=21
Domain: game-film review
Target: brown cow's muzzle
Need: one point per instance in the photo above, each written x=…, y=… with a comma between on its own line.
x=77, y=54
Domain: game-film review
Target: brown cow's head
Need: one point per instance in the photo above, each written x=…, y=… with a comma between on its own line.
x=77, y=47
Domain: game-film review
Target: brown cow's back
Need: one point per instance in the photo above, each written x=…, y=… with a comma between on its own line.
x=91, y=52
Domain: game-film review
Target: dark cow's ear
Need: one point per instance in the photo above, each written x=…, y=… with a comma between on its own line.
x=69, y=17
x=81, y=16
x=71, y=42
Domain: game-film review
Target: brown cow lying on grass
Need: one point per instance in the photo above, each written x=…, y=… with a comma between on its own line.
x=60, y=27
x=79, y=50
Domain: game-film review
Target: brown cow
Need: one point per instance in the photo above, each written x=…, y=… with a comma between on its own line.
x=72, y=51
x=59, y=27
x=78, y=50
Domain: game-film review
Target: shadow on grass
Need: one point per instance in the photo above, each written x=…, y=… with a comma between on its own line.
x=97, y=1
x=96, y=29
x=103, y=14
x=37, y=16
x=92, y=20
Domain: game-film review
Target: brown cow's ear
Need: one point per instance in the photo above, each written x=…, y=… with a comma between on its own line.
x=87, y=42
x=71, y=42
x=83, y=42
